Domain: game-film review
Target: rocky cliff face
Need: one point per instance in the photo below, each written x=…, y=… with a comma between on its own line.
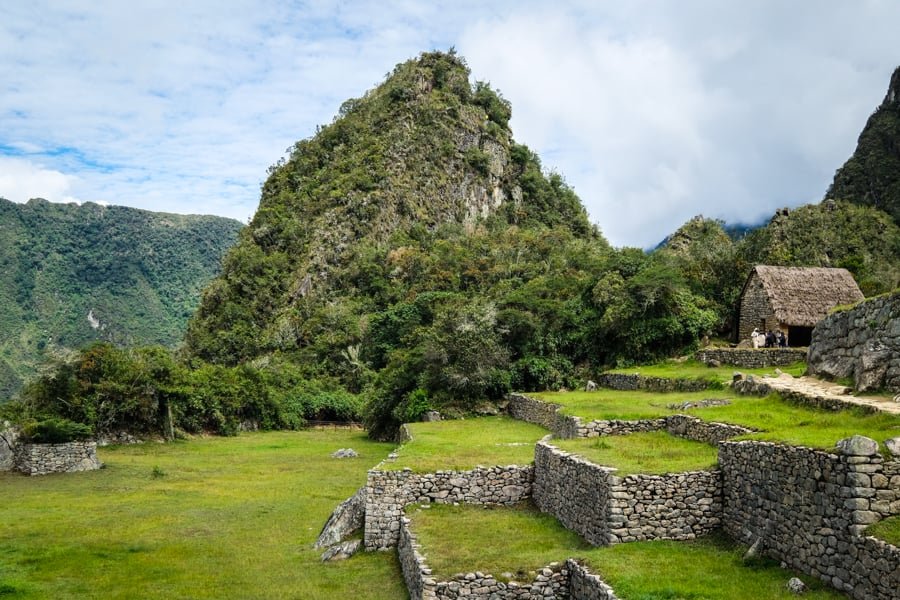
x=872, y=175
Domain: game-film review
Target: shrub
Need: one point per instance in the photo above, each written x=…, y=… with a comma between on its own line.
x=55, y=431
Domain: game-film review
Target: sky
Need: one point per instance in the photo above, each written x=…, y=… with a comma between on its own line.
x=653, y=111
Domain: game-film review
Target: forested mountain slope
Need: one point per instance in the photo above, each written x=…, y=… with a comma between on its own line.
x=74, y=274
x=872, y=175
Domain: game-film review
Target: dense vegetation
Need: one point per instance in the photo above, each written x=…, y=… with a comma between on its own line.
x=872, y=175
x=75, y=274
x=411, y=255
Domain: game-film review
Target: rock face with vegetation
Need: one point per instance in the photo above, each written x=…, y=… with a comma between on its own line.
x=76, y=274
x=872, y=175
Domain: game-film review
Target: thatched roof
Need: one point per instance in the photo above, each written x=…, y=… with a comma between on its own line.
x=802, y=296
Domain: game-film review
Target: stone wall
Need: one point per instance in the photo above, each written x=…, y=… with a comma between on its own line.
x=604, y=509
x=755, y=309
x=568, y=580
x=387, y=492
x=9, y=436
x=565, y=427
x=635, y=382
x=42, y=459
x=862, y=342
x=751, y=358
x=810, y=509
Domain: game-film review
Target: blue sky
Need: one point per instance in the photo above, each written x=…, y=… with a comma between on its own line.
x=654, y=111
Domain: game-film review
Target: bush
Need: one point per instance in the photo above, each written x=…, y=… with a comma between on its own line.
x=55, y=431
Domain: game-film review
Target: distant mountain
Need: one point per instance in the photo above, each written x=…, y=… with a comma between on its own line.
x=872, y=175
x=74, y=274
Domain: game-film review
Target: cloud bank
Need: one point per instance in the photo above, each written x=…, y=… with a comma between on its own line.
x=652, y=111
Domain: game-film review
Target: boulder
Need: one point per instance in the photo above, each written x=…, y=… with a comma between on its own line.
x=349, y=516
x=344, y=453
x=342, y=551
x=893, y=446
x=858, y=445
x=8, y=437
x=796, y=586
x=590, y=386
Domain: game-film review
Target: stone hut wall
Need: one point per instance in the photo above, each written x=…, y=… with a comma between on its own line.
x=387, y=492
x=42, y=459
x=752, y=358
x=754, y=309
x=604, y=509
x=635, y=382
x=862, y=342
x=810, y=508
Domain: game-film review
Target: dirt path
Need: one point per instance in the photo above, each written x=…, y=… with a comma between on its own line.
x=816, y=388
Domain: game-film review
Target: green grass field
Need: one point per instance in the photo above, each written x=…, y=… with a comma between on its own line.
x=468, y=538
x=693, y=369
x=209, y=518
x=466, y=443
x=653, y=453
x=774, y=419
x=887, y=530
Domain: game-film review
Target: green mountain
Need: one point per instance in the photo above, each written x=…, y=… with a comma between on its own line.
x=75, y=274
x=872, y=175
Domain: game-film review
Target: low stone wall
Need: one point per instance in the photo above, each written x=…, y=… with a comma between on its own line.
x=387, y=492
x=547, y=415
x=633, y=382
x=810, y=509
x=531, y=410
x=862, y=342
x=568, y=580
x=693, y=428
x=604, y=509
x=42, y=459
x=751, y=358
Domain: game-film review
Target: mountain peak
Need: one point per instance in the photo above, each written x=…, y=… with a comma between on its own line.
x=893, y=93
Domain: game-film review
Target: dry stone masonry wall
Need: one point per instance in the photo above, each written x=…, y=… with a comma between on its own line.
x=568, y=580
x=42, y=459
x=862, y=342
x=634, y=382
x=752, y=358
x=387, y=492
x=565, y=427
x=604, y=509
x=810, y=509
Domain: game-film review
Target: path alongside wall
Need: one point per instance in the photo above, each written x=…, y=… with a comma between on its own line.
x=810, y=509
x=752, y=358
x=812, y=392
x=862, y=342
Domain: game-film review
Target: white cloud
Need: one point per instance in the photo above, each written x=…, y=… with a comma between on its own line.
x=22, y=180
x=653, y=111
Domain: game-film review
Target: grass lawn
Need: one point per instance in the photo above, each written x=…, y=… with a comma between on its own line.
x=887, y=530
x=694, y=369
x=459, y=539
x=653, y=453
x=465, y=443
x=208, y=518
x=773, y=418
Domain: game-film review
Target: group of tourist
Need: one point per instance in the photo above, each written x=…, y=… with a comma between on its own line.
x=769, y=339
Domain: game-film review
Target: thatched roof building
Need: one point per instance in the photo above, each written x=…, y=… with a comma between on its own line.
x=793, y=299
